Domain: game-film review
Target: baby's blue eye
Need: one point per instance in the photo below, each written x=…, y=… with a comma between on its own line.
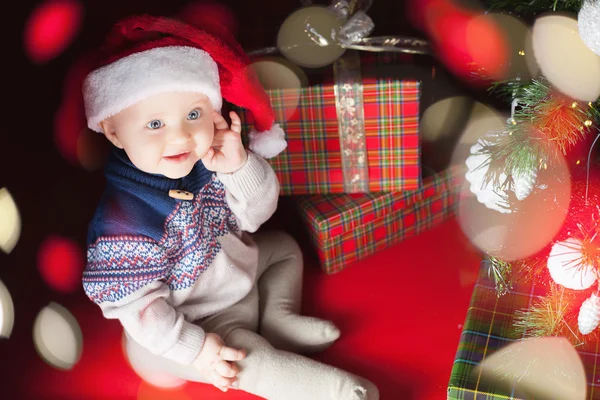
x=155, y=124
x=194, y=114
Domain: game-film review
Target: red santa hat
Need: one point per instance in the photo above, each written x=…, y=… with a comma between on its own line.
x=146, y=55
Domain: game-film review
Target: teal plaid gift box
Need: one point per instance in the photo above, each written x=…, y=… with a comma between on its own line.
x=346, y=228
x=489, y=327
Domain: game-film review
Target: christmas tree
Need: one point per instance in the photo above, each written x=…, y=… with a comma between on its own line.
x=550, y=117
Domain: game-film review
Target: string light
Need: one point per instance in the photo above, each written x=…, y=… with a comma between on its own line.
x=522, y=52
x=588, y=123
x=574, y=104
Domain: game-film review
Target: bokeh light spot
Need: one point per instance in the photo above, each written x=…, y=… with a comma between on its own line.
x=541, y=368
x=51, y=28
x=530, y=226
x=10, y=226
x=445, y=117
x=305, y=37
x=469, y=43
x=92, y=149
x=57, y=337
x=277, y=73
x=519, y=59
x=7, y=312
x=564, y=58
x=60, y=263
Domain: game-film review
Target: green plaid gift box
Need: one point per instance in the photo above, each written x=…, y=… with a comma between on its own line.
x=345, y=228
x=314, y=162
x=489, y=327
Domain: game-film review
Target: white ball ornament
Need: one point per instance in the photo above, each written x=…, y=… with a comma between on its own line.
x=564, y=265
x=588, y=22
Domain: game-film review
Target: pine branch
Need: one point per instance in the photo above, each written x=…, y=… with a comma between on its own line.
x=500, y=271
x=533, y=269
x=546, y=125
x=533, y=7
x=548, y=316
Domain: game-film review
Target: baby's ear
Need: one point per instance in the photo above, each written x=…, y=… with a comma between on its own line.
x=110, y=133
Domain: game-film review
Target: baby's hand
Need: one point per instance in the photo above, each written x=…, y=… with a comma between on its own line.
x=213, y=362
x=227, y=153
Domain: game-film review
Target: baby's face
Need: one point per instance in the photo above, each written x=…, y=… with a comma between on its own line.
x=164, y=134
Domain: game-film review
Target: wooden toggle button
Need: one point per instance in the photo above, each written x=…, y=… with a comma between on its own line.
x=181, y=195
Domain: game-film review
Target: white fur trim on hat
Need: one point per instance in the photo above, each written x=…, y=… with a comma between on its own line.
x=114, y=87
x=267, y=144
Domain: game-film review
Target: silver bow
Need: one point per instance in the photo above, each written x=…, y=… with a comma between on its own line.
x=355, y=31
x=358, y=24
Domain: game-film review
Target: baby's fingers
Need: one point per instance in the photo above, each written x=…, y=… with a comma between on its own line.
x=225, y=369
x=236, y=123
x=220, y=381
x=231, y=354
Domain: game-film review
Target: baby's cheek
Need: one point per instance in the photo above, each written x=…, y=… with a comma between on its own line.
x=203, y=144
x=147, y=156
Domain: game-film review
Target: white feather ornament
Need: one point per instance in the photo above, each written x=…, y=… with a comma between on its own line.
x=564, y=264
x=589, y=315
x=477, y=167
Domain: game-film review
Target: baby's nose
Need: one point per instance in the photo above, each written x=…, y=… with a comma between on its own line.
x=180, y=136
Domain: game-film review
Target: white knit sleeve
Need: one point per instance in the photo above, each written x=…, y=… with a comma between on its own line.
x=252, y=192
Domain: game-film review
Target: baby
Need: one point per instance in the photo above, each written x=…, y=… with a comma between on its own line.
x=170, y=253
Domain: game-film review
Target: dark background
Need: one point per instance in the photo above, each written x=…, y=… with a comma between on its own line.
x=57, y=197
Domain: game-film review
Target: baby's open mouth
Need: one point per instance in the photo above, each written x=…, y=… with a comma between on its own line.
x=178, y=158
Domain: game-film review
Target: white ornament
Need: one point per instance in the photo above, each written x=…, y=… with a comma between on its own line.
x=589, y=24
x=589, y=315
x=564, y=264
x=524, y=184
x=488, y=195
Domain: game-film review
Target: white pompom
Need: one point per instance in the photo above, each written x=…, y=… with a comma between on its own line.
x=268, y=144
x=488, y=195
x=588, y=22
x=564, y=264
x=524, y=184
x=589, y=315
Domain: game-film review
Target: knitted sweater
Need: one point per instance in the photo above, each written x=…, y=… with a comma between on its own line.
x=157, y=263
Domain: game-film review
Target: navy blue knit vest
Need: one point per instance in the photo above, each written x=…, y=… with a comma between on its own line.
x=136, y=202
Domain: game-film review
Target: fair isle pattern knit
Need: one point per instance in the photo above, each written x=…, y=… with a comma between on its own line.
x=119, y=266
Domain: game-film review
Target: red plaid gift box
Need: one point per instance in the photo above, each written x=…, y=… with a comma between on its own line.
x=357, y=135
x=346, y=228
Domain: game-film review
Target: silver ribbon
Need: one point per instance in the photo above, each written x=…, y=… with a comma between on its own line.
x=348, y=90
